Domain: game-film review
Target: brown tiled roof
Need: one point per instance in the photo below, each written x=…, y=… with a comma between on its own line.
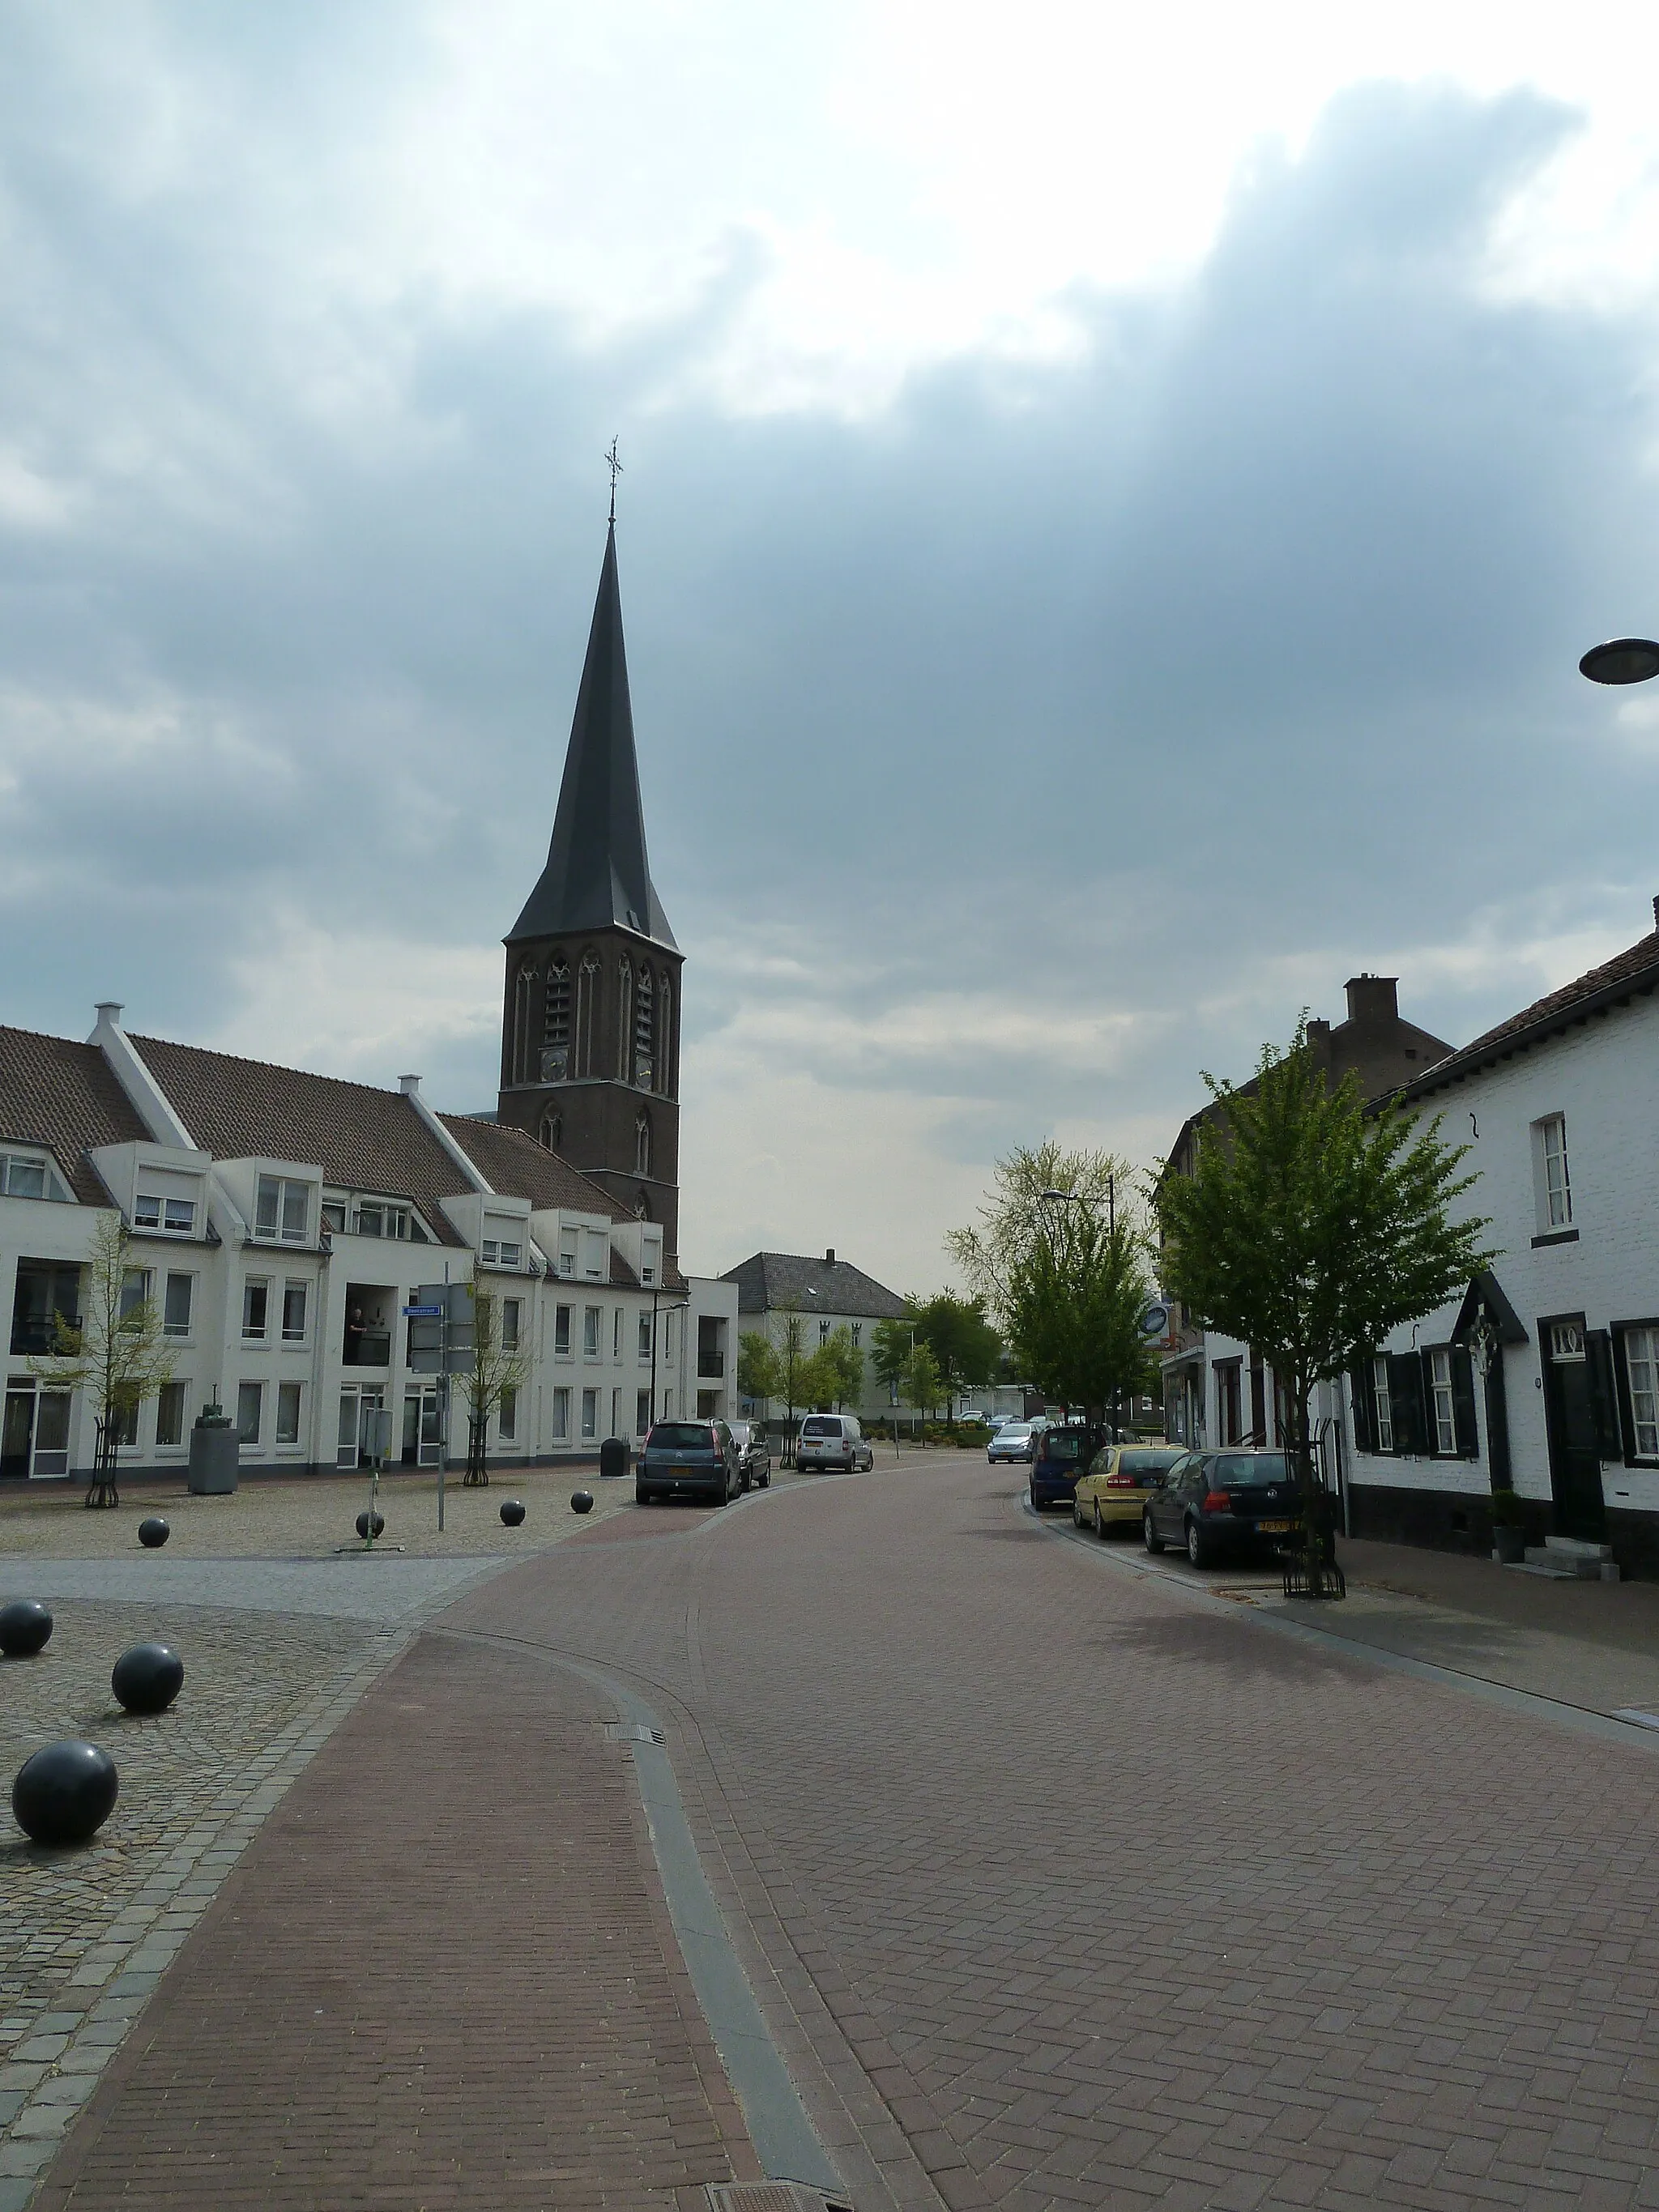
x=1628, y=973
x=513, y=1162
x=366, y=1139
x=62, y=1095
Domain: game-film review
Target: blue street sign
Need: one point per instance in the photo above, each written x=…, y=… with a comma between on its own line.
x=422, y=1313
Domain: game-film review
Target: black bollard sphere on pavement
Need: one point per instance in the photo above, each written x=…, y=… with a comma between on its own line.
x=25, y=1627
x=512, y=1513
x=362, y=1524
x=581, y=1501
x=154, y=1533
x=64, y=1794
x=148, y=1678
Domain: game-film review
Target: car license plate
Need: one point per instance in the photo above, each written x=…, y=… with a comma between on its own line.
x=1275, y=1528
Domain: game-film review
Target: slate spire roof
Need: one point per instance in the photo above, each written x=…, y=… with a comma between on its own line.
x=597, y=875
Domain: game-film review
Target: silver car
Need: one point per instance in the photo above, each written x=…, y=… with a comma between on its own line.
x=1016, y=1440
x=832, y=1440
x=754, y=1454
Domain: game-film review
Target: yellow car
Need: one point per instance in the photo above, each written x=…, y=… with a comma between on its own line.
x=1114, y=1490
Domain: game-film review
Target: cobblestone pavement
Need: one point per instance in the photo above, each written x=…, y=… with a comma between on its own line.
x=443, y=1975
x=305, y=1517
x=85, y=1933
x=1061, y=1889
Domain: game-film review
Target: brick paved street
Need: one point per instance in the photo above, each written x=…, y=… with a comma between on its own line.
x=1058, y=1888
x=1118, y=1902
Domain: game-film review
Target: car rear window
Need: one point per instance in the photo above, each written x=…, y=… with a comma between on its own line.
x=1062, y=1447
x=1239, y=1470
x=1147, y=1462
x=680, y=1436
x=1013, y=1429
x=817, y=1427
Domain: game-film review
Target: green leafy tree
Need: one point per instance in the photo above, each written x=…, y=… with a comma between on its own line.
x=760, y=1371
x=1016, y=1217
x=1310, y=1230
x=923, y=1385
x=965, y=1346
x=847, y=1362
x=116, y=1352
x=890, y=1345
x=817, y=1379
x=1075, y=1300
x=496, y=1374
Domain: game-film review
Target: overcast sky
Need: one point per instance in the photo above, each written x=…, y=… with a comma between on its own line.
x=1113, y=507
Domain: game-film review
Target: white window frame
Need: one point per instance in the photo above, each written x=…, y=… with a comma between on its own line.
x=1442, y=1405
x=562, y=1339
x=290, y=1394
x=589, y=1413
x=1552, y=1175
x=155, y=1215
x=512, y=1312
x=18, y=1169
x=645, y=1332
x=592, y=1319
x=302, y=1284
x=507, y=1419
x=1381, y=1404
x=562, y=1413
x=137, y=1288
x=250, y=1284
x=181, y=1441
x=284, y=1227
x=169, y=1326
x=257, y=1389
x=1641, y=1345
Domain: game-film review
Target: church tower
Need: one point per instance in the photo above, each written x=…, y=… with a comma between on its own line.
x=591, y=1024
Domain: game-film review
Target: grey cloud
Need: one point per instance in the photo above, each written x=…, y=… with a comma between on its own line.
x=1246, y=638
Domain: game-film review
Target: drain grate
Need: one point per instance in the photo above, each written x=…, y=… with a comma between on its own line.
x=631, y=1732
x=771, y=2197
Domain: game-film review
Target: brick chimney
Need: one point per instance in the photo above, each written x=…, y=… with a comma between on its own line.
x=1373, y=999
x=829, y=1257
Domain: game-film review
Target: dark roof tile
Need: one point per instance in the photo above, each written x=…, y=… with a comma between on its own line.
x=64, y=1096
x=769, y=1279
x=512, y=1161
x=366, y=1139
x=1637, y=966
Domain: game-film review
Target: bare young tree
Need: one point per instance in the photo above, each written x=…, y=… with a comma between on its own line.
x=115, y=1351
x=1017, y=1215
x=496, y=1374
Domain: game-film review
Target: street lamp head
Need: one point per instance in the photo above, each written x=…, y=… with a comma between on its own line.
x=1621, y=660
x=1066, y=1197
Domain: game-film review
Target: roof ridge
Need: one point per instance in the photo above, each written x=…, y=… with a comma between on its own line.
x=277, y=1067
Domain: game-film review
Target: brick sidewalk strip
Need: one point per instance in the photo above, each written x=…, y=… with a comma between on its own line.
x=1106, y=1900
x=443, y=1976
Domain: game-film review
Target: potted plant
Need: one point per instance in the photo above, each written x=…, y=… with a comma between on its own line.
x=1509, y=1528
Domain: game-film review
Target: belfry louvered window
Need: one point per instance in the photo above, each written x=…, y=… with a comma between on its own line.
x=587, y=990
x=664, y=1082
x=556, y=1022
x=624, y=1016
x=521, y=1068
x=644, y=1032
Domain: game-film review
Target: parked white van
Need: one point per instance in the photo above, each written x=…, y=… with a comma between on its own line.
x=832, y=1440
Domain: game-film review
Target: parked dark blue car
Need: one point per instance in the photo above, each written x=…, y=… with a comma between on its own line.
x=1219, y=1503
x=698, y=1459
x=1058, y=1457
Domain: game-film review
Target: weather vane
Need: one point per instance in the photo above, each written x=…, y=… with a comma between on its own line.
x=616, y=471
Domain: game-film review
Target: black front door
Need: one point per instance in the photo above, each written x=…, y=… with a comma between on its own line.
x=17, y=1435
x=1570, y=1425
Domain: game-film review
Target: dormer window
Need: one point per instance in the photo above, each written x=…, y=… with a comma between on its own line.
x=497, y=1252
x=174, y=1217
x=22, y=1177
x=282, y=1210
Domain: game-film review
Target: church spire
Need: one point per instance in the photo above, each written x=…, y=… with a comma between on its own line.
x=597, y=875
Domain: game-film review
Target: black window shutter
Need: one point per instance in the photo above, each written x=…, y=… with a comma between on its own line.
x=1406, y=1399
x=1359, y=1389
x=1468, y=1433
x=1598, y=1352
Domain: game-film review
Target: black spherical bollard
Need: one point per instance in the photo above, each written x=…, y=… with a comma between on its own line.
x=148, y=1678
x=581, y=1501
x=25, y=1627
x=154, y=1533
x=362, y=1525
x=512, y=1513
x=64, y=1794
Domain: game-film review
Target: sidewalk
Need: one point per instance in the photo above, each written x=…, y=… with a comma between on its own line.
x=1591, y=1644
x=443, y=1976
